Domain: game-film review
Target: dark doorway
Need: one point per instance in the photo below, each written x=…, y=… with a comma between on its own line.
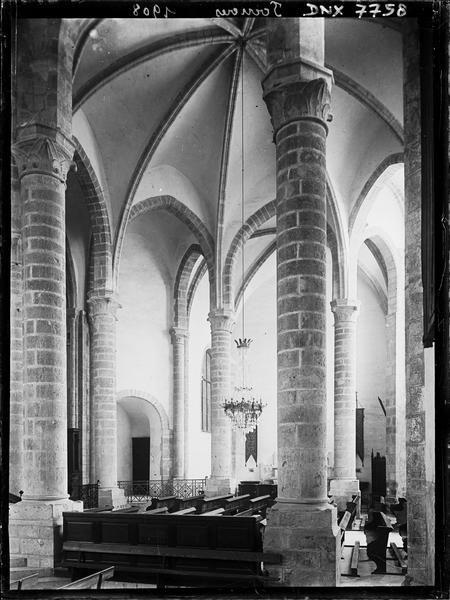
x=141, y=458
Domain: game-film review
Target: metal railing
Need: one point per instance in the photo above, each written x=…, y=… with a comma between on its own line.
x=88, y=493
x=141, y=491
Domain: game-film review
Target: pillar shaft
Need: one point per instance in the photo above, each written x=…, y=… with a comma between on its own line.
x=300, y=133
x=221, y=336
x=179, y=335
x=102, y=314
x=391, y=416
x=43, y=165
x=420, y=490
x=345, y=313
x=16, y=344
x=301, y=525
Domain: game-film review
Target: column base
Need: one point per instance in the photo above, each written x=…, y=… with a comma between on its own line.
x=219, y=486
x=342, y=491
x=114, y=497
x=307, y=538
x=35, y=531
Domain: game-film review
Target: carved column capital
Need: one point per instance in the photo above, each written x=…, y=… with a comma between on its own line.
x=345, y=311
x=178, y=335
x=221, y=320
x=294, y=100
x=44, y=155
x=102, y=305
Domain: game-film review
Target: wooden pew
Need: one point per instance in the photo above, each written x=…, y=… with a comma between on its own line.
x=91, y=581
x=195, y=501
x=343, y=523
x=398, y=556
x=377, y=531
x=168, y=548
x=354, y=559
x=256, y=488
x=157, y=511
x=214, y=502
x=217, y=511
x=18, y=584
x=96, y=510
x=185, y=511
x=261, y=503
x=236, y=504
x=171, y=502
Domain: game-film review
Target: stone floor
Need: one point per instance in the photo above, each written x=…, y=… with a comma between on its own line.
x=393, y=577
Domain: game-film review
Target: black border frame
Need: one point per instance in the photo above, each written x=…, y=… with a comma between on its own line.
x=434, y=14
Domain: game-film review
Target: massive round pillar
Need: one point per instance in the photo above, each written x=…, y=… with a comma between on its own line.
x=222, y=323
x=179, y=336
x=344, y=483
x=302, y=524
x=43, y=166
x=102, y=316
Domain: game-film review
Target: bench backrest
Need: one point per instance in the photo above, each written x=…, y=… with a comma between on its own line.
x=171, y=502
x=163, y=530
x=91, y=581
x=196, y=501
x=185, y=511
x=19, y=584
x=156, y=511
x=214, y=502
x=95, y=510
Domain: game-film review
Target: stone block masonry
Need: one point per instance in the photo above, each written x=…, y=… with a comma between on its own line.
x=301, y=525
x=222, y=322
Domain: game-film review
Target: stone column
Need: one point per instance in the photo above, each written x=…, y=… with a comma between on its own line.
x=420, y=486
x=102, y=316
x=220, y=482
x=302, y=526
x=16, y=344
x=391, y=418
x=186, y=406
x=43, y=166
x=43, y=162
x=179, y=336
x=72, y=361
x=344, y=483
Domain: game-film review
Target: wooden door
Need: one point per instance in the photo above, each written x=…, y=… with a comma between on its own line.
x=141, y=458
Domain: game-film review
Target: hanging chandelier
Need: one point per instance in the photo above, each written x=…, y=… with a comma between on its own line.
x=243, y=408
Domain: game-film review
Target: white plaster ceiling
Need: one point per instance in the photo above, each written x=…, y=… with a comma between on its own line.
x=125, y=99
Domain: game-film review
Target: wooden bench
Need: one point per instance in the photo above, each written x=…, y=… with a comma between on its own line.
x=171, y=502
x=343, y=523
x=354, y=560
x=195, y=501
x=156, y=511
x=236, y=504
x=96, y=510
x=185, y=511
x=130, y=509
x=217, y=511
x=214, y=502
x=377, y=531
x=398, y=556
x=91, y=581
x=256, y=488
x=261, y=503
x=18, y=584
x=168, y=548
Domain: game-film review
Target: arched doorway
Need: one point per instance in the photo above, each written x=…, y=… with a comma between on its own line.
x=143, y=448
